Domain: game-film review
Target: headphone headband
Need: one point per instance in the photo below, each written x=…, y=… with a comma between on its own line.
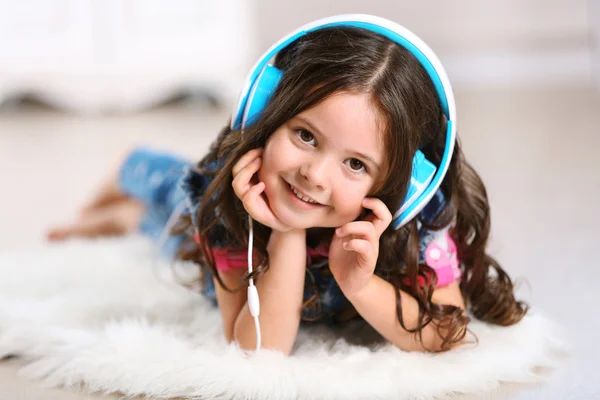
x=402, y=37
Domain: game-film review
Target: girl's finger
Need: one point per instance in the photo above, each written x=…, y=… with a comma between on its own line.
x=381, y=216
x=245, y=160
x=259, y=210
x=254, y=193
x=363, y=247
x=241, y=182
x=255, y=204
x=363, y=229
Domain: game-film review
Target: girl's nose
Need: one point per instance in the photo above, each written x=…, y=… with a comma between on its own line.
x=316, y=172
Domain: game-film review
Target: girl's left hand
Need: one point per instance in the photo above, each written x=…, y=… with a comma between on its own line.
x=354, y=248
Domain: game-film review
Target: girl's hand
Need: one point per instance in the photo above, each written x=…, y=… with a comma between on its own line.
x=354, y=248
x=249, y=190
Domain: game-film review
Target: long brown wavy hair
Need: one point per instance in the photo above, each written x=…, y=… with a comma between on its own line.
x=354, y=60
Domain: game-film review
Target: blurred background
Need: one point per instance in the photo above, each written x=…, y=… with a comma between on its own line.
x=82, y=81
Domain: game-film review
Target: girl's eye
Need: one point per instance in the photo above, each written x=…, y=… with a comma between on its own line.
x=356, y=165
x=305, y=136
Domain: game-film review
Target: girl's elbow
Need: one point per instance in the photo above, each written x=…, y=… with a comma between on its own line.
x=439, y=345
x=431, y=342
x=228, y=336
x=249, y=344
x=246, y=340
x=228, y=330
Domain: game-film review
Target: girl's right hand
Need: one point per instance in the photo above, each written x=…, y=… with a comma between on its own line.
x=249, y=190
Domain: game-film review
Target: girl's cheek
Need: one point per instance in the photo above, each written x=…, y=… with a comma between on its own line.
x=350, y=203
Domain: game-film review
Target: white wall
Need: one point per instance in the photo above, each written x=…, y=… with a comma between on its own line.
x=479, y=41
x=594, y=19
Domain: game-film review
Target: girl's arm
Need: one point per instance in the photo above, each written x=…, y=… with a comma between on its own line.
x=280, y=291
x=353, y=254
x=376, y=303
x=230, y=304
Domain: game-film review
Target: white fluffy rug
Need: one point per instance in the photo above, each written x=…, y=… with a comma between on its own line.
x=107, y=316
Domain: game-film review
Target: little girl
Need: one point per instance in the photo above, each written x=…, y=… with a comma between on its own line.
x=320, y=170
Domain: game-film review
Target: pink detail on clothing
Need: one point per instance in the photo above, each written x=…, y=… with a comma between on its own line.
x=322, y=250
x=227, y=259
x=443, y=262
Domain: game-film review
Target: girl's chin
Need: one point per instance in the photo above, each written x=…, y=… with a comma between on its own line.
x=292, y=218
x=293, y=221
x=300, y=219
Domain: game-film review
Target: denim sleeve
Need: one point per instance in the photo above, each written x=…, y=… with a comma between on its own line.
x=153, y=177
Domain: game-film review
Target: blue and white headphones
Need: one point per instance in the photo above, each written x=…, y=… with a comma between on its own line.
x=426, y=178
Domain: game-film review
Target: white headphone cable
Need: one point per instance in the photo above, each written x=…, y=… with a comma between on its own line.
x=253, y=302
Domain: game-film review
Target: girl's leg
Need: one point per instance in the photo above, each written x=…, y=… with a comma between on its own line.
x=110, y=212
x=139, y=195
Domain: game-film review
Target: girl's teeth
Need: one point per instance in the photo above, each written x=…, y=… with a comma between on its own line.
x=303, y=198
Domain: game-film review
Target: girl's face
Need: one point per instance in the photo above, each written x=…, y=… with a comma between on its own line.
x=320, y=165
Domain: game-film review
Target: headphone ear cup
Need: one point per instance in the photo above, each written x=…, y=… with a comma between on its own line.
x=422, y=174
x=260, y=94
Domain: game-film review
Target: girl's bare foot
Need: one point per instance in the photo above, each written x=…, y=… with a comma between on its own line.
x=114, y=218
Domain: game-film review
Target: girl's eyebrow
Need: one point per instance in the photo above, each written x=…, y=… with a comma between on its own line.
x=310, y=125
x=313, y=128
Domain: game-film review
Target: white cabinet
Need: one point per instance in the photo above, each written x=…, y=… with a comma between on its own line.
x=99, y=55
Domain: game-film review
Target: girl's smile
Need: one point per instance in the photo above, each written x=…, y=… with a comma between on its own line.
x=301, y=200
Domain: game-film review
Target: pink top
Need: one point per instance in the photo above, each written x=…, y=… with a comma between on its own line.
x=443, y=261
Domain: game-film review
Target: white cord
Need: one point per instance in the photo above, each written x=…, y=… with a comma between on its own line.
x=253, y=301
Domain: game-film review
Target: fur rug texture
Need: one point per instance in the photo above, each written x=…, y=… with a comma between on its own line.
x=108, y=316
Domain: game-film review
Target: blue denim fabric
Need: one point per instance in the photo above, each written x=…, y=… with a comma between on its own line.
x=153, y=178
x=162, y=181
